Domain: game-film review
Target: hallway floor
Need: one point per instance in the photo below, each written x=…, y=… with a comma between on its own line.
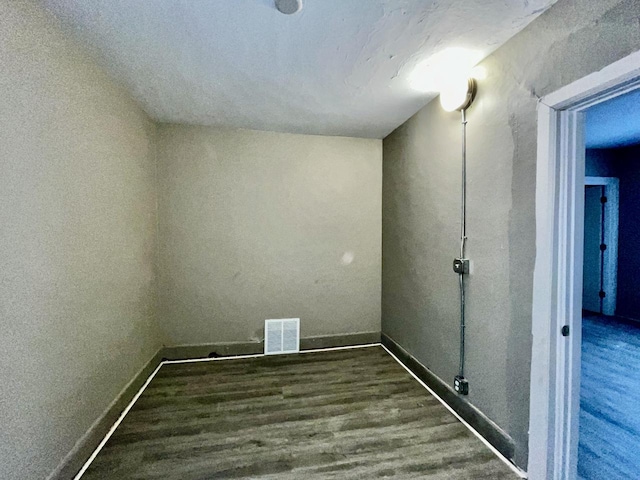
x=609, y=445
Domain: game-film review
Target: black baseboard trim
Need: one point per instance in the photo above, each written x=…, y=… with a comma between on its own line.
x=83, y=449
x=231, y=349
x=185, y=352
x=474, y=417
x=340, y=340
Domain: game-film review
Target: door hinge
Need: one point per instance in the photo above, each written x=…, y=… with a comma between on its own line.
x=601, y=294
x=603, y=247
x=603, y=199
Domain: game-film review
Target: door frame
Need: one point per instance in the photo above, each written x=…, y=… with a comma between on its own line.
x=557, y=280
x=611, y=218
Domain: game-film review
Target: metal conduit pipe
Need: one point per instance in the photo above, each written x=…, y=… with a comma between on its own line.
x=463, y=239
x=461, y=99
x=461, y=264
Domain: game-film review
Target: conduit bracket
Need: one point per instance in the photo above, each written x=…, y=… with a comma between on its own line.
x=461, y=266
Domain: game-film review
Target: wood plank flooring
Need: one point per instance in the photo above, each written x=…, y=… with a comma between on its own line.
x=609, y=399
x=343, y=414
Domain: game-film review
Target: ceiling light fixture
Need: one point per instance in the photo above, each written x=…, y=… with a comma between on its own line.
x=451, y=73
x=437, y=71
x=458, y=94
x=289, y=7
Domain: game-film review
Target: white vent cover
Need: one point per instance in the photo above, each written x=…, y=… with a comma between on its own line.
x=281, y=336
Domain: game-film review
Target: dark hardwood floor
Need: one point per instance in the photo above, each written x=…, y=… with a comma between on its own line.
x=340, y=414
x=609, y=445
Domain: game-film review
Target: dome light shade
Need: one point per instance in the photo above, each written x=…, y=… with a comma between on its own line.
x=458, y=94
x=432, y=74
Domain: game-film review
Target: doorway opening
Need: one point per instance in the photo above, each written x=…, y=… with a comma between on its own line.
x=600, y=265
x=609, y=430
x=558, y=275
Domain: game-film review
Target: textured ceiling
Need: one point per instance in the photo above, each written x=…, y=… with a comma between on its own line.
x=339, y=67
x=615, y=123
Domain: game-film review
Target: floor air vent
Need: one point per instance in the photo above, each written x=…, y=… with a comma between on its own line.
x=281, y=336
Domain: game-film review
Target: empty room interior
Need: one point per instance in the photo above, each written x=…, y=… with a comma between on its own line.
x=291, y=239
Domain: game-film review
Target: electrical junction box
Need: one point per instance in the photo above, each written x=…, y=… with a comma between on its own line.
x=461, y=385
x=461, y=265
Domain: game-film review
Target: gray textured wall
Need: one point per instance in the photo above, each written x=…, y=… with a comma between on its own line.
x=254, y=225
x=77, y=217
x=421, y=207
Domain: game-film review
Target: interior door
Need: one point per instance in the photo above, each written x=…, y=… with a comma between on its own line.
x=593, y=230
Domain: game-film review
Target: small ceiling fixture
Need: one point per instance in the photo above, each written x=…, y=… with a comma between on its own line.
x=452, y=73
x=458, y=94
x=289, y=7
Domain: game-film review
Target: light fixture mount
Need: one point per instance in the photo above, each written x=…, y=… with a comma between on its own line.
x=288, y=7
x=458, y=94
